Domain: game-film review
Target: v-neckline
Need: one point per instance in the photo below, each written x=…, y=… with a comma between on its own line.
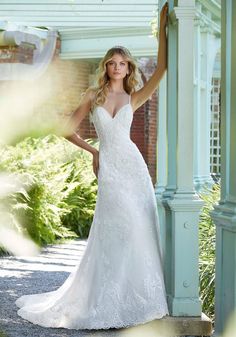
x=100, y=106
x=113, y=117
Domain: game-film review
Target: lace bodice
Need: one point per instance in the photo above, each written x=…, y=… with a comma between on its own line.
x=115, y=129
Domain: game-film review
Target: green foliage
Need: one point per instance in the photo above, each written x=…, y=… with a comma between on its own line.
x=81, y=201
x=2, y=334
x=207, y=240
x=59, y=190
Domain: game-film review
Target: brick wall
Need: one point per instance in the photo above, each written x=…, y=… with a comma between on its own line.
x=67, y=80
x=151, y=135
x=57, y=91
x=147, y=67
x=17, y=54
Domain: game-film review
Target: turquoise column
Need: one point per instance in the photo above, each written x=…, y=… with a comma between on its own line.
x=161, y=158
x=180, y=202
x=224, y=214
x=197, y=102
x=161, y=155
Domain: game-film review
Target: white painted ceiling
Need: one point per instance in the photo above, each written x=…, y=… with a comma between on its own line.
x=79, y=13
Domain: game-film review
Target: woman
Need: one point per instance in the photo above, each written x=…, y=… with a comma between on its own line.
x=119, y=281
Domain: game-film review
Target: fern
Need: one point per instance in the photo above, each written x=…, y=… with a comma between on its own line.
x=207, y=240
x=58, y=196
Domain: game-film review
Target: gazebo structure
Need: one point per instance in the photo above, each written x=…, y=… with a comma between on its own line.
x=86, y=30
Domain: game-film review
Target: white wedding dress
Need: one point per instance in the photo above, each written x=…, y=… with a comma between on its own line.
x=119, y=281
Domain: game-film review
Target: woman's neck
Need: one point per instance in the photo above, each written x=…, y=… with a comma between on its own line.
x=116, y=87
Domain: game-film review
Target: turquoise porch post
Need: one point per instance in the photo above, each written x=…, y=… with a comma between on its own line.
x=161, y=173
x=161, y=159
x=224, y=214
x=180, y=202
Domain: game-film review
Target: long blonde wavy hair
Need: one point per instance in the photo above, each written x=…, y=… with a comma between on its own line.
x=132, y=81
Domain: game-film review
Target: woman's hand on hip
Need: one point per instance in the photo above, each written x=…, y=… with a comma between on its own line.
x=96, y=163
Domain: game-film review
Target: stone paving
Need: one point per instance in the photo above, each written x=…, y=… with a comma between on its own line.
x=46, y=272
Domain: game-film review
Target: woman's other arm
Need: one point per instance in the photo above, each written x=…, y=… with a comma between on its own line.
x=79, y=114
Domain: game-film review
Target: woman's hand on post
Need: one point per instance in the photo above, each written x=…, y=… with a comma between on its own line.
x=164, y=16
x=162, y=40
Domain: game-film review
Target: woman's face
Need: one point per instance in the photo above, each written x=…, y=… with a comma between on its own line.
x=117, y=67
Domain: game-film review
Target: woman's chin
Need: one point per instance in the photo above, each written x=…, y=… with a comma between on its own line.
x=117, y=77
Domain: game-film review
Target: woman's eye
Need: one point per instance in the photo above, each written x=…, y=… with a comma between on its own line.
x=112, y=63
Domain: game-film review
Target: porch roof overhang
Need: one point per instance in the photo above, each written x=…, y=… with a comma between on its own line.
x=80, y=13
x=89, y=27
x=91, y=43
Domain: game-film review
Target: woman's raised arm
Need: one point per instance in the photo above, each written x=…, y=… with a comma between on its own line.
x=142, y=95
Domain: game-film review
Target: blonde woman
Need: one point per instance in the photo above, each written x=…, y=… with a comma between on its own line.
x=119, y=281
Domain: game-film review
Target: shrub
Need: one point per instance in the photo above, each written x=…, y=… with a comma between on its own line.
x=59, y=193
x=207, y=240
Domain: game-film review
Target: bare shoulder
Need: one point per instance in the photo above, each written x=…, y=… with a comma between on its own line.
x=85, y=104
x=86, y=101
x=89, y=95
